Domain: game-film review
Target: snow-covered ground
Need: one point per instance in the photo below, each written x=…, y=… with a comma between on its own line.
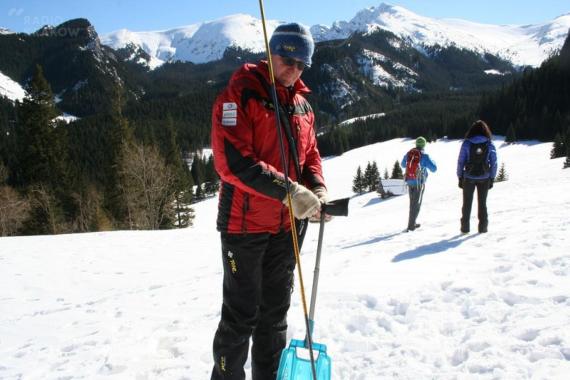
x=432, y=304
x=11, y=89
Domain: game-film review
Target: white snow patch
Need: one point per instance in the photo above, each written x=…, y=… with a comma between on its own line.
x=67, y=118
x=360, y=118
x=11, y=89
x=496, y=72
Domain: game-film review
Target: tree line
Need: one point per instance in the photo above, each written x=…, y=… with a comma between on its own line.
x=101, y=173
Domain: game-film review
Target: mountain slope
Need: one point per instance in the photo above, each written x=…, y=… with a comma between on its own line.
x=81, y=71
x=11, y=89
x=537, y=104
x=428, y=304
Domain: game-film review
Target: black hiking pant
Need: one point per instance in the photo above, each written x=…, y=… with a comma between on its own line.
x=258, y=281
x=469, y=186
x=415, y=193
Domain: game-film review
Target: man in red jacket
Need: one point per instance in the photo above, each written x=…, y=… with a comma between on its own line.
x=253, y=217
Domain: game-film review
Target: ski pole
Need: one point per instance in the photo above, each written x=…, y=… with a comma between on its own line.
x=288, y=190
x=337, y=207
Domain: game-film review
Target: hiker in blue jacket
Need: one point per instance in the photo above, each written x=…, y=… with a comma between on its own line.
x=417, y=163
x=476, y=168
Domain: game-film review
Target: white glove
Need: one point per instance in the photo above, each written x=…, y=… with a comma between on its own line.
x=304, y=202
x=321, y=193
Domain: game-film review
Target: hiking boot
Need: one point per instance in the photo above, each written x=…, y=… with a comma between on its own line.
x=410, y=229
x=482, y=228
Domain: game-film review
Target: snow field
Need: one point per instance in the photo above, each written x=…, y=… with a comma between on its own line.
x=431, y=304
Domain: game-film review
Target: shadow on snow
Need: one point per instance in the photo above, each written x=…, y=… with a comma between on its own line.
x=433, y=248
x=372, y=241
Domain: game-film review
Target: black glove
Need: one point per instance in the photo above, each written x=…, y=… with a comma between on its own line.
x=460, y=184
x=491, y=180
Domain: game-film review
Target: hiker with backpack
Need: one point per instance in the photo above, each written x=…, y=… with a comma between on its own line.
x=417, y=163
x=476, y=168
x=253, y=215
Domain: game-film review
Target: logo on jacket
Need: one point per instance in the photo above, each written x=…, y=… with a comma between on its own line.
x=229, y=114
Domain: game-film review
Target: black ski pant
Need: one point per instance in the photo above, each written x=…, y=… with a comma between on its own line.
x=258, y=281
x=469, y=186
x=415, y=193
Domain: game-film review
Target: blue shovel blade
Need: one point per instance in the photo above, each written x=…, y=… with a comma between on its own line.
x=295, y=363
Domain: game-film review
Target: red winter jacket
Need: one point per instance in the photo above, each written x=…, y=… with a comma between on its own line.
x=247, y=156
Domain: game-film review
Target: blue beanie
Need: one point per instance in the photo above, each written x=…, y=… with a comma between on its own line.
x=294, y=41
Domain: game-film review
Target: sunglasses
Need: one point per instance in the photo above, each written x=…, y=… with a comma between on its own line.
x=288, y=61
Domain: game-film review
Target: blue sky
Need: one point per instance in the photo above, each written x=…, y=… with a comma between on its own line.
x=143, y=15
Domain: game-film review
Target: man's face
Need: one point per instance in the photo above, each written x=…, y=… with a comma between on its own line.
x=287, y=70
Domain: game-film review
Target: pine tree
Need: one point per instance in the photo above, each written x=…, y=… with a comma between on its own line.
x=502, y=175
x=121, y=140
x=210, y=177
x=558, y=148
x=371, y=176
x=41, y=155
x=42, y=159
x=397, y=171
x=358, y=184
x=199, y=191
x=511, y=136
x=197, y=170
x=386, y=174
x=183, y=182
x=567, y=161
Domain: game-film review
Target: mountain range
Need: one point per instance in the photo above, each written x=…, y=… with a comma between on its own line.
x=523, y=45
x=380, y=60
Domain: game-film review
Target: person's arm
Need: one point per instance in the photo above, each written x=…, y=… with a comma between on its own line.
x=404, y=161
x=312, y=171
x=429, y=163
x=462, y=159
x=493, y=160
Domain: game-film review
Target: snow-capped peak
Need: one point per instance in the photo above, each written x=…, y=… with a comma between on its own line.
x=198, y=43
x=522, y=45
x=5, y=31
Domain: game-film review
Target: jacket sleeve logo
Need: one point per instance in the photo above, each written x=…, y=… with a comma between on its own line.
x=229, y=114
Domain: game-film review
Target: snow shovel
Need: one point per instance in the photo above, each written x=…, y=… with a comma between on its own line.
x=293, y=364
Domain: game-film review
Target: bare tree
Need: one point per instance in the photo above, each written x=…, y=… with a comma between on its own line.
x=14, y=210
x=89, y=209
x=44, y=201
x=147, y=184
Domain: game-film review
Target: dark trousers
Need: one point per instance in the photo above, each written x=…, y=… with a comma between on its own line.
x=258, y=281
x=469, y=186
x=415, y=193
